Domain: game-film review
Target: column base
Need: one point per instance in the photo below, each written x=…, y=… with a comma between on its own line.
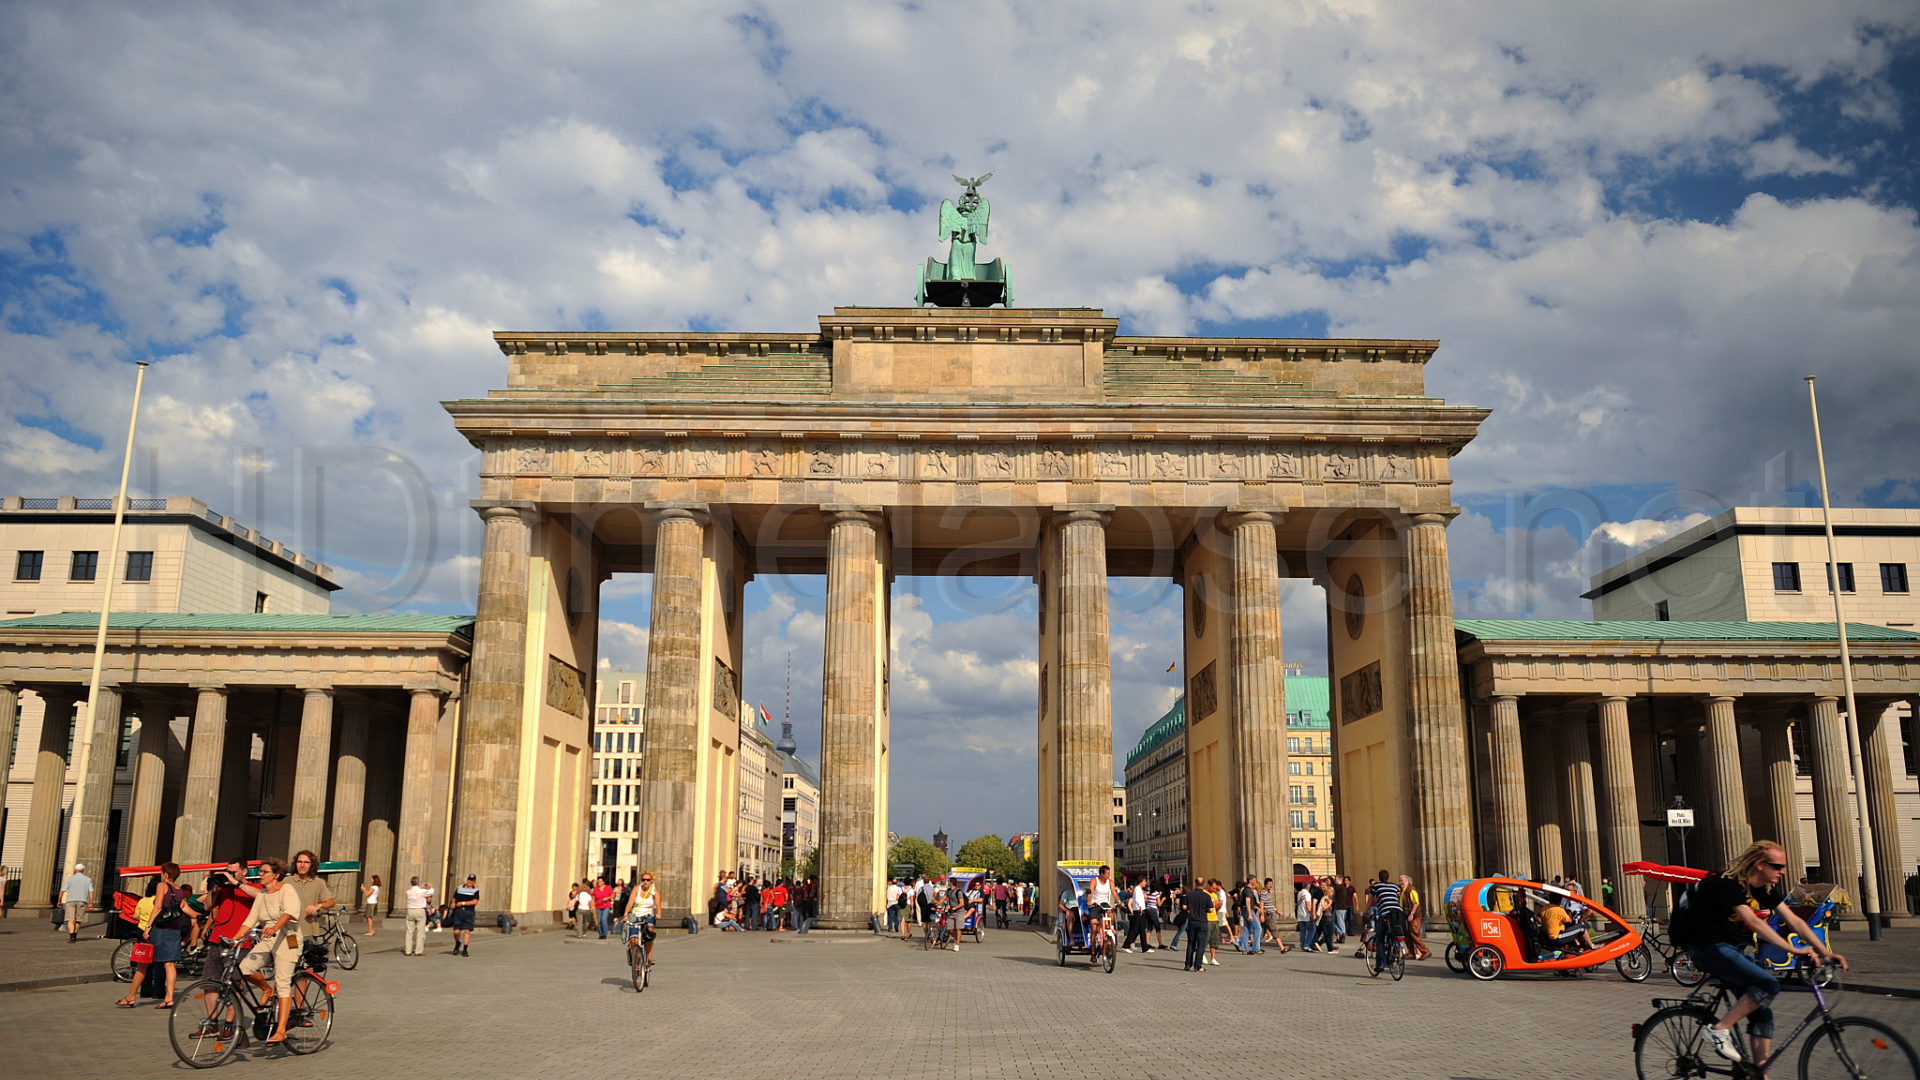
x=862, y=924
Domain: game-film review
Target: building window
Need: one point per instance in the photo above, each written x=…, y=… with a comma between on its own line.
x=1786, y=577
x=1310, y=822
x=1313, y=841
x=1293, y=744
x=1893, y=576
x=1661, y=612
x=139, y=566
x=1296, y=818
x=1293, y=768
x=259, y=603
x=1309, y=768
x=626, y=693
x=27, y=566
x=1846, y=576
x=1297, y=842
x=85, y=565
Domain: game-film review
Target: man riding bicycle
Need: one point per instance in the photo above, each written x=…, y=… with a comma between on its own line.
x=1100, y=896
x=1383, y=907
x=1725, y=912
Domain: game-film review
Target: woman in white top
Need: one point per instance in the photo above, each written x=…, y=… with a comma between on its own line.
x=643, y=909
x=277, y=910
x=370, y=899
x=583, y=908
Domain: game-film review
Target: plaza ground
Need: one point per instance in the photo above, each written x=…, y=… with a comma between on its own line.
x=777, y=1006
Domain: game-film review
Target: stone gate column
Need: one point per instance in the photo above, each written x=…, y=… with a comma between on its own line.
x=149, y=783
x=312, y=765
x=1876, y=723
x=1783, y=816
x=1511, y=854
x=1621, y=818
x=1443, y=822
x=1832, y=807
x=1543, y=797
x=488, y=793
x=96, y=803
x=1259, y=701
x=416, y=793
x=9, y=726
x=349, y=801
x=849, y=711
x=670, y=764
x=1583, y=818
x=40, y=870
x=1086, y=687
x=1727, y=788
x=200, y=800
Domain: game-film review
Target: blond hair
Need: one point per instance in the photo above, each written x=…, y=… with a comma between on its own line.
x=1755, y=854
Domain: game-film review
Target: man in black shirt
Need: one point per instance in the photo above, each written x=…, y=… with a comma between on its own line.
x=1725, y=912
x=1197, y=904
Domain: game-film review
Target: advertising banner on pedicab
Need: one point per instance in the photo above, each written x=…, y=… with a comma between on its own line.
x=964, y=875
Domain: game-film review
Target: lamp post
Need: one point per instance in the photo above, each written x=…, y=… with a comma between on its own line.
x=1870, y=887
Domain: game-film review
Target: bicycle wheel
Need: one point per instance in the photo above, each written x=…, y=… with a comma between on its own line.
x=1110, y=955
x=1684, y=972
x=1669, y=1045
x=1852, y=1048
x=637, y=963
x=310, y=1020
x=198, y=1026
x=1485, y=963
x=122, y=963
x=1636, y=965
x=1373, y=961
x=1397, y=961
x=1456, y=958
x=346, y=952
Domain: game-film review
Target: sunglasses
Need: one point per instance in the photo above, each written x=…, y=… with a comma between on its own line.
x=1773, y=865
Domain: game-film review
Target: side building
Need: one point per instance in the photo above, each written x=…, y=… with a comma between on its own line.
x=1156, y=795
x=799, y=805
x=619, y=741
x=1310, y=775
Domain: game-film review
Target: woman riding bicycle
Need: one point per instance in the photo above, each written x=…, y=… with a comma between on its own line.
x=643, y=907
x=1724, y=913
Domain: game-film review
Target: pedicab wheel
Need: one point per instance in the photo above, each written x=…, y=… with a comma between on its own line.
x=1397, y=963
x=1485, y=963
x=199, y=1028
x=1109, y=956
x=310, y=1020
x=1456, y=959
x=1063, y=952
x=1684, y=972
x=1636, y=965
x=123, y=962
x=1672, y=1044
x=1857, y=1046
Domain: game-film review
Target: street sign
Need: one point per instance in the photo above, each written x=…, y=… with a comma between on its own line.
x=1679, y=819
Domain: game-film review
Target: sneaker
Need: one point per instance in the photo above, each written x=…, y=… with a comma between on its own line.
x=1214, y=961
x=1723, y=1044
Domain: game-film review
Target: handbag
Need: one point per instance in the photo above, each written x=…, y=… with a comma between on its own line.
x=1180, y=919
x=143, y=952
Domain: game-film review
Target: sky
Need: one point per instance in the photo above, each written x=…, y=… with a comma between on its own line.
x=1632, y=226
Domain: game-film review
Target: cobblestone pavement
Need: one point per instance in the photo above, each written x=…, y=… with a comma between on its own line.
x=748, y=1005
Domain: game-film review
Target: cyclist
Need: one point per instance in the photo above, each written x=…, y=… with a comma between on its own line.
x=277, y=911
x=1383, y=907
x=1725, y=911
x=643, y=907
x=1099, y=896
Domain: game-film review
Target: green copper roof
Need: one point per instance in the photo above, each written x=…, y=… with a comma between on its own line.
x=1163, y=729
x=1308, y=694
x=1628, y=630
x=302, y=624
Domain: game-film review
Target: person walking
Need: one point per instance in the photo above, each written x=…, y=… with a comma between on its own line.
x=1304, y=918
x=1416, y=920
x=1151, y=917
x=582, y=909
x=1218, y=920
x=1197, y=906
x=419, y=899
x=460, y=916
x=1136, y=918
x=1342, y=908
x=893, y=905
x=76, y=896
x=602, y=896
x=370, y=901
x=162, y=932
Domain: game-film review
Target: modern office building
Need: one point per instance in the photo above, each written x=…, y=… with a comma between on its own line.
x=619, y=741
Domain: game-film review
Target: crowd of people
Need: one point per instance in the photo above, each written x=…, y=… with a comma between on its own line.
x=744, y=902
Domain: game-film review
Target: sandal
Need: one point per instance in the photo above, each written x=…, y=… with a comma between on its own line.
x=125, y=1004
x=164, y=1005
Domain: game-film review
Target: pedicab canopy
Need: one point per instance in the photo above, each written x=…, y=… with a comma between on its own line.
x=253, y=868
x=962, y=875
x=1075, y=874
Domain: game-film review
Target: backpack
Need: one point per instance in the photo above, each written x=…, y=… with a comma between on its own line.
x=1684, y=929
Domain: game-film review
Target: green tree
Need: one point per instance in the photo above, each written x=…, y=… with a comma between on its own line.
x=1030, y=871
x=990, y=853
x=926, y=858
x=809, y=865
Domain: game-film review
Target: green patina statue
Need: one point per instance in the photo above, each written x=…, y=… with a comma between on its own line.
x=961, y=281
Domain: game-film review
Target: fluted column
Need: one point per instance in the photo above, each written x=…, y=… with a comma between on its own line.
x=1443, y=822
x=1833, y=824
x=1877, y=721
x=849, y=711
x=1783, y=816
x=1086, y=688
x=200, y=800
x=349, y=798
x=1728, y=789
x=1259, y=700
x=9, y=726
x=670, y=764
x=488, y=794
x=1620, y=824
x=416, y=791
x=40, y=870
x=1511, y=854
x=96, y=795
x=1543, y=799
x=149, y=784
x=312, y=767
x=1583, y=818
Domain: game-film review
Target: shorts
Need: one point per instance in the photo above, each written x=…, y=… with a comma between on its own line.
x=460, y=918
x=637, y=926
x=76, y=911
x=283, y=958
x=1216, y=934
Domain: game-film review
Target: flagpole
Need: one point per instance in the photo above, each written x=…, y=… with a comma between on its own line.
x=1870, y=886
x=84, y=747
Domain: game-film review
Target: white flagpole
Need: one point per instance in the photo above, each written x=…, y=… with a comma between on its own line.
x=1870, y=887
x=83, y=747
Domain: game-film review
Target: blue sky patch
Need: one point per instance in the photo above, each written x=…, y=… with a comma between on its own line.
x=59, y=426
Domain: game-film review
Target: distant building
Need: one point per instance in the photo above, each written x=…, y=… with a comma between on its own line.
x=1119, y=825
x=762, y=779
x=799, y=804
x=1156, y=792
x=1024, y=844
x=940, y=840
x=619, y=736
x=1310, y=774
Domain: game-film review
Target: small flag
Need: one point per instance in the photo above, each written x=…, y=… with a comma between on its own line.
x=1173, y=665
x=767, y=715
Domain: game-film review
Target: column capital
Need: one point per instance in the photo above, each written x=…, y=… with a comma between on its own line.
x=678, y=510
x=422, y=691
x=317, y=690
x=492, y=509
x=1238, y=516
x=1076, y=513
x=1432, y=518
x=209, y=688
x=1505, y=697
x=851, y=514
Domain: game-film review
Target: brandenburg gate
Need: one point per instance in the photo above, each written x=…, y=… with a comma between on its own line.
x=960, y=440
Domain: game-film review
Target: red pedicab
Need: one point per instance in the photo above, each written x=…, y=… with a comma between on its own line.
x=1495, y=931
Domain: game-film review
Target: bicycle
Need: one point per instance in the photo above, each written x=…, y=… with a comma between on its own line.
x=341, y=948
x=1389, y=952
x=639, y=963
x=1678, y=963
x=938, y=934
x=213, y=1018
x=192, y=962
x=1671, y=1043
